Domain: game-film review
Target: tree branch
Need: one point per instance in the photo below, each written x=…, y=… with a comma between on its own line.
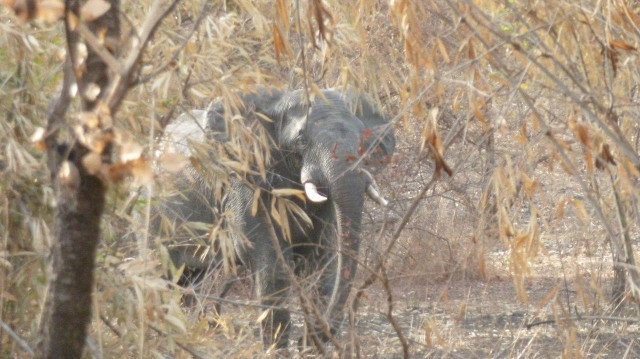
x=21, y=343
x=119, y=86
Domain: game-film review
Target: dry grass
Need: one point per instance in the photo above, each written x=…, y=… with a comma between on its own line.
x=528, y=97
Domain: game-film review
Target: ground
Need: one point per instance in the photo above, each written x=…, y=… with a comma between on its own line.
x=475, y=318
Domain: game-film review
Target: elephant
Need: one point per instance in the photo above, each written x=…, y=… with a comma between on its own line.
x=328, y=148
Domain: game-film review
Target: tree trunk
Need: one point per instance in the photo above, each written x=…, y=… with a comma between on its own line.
x=67, y=310
x=80, y=201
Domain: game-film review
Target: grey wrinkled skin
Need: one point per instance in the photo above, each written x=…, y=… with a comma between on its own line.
x=325, y=144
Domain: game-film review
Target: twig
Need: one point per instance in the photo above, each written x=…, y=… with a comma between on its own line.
x=92, y=348
x=374, y=274
x=246, y=303
x=55, y=117
x=302, y=57
x=203, y=13
x=100, y=50
x=392, y=320
x=587, y=317
x=117, y=89
x=157, y=330
x=182, y=346
x=307, y=305
x=110, y=326
x=614, y=136
x=21, y=343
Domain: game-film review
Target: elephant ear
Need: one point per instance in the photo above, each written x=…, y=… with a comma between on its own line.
x=378, y=141
x=189, y=126
x=254, y=106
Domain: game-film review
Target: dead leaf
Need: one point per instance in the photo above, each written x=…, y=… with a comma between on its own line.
x=173, y=162
x=92, y=91
x=254, y=205
x=283, y=192
x=93, y=9
x=38, y=137
x=46, y=10
x=89, y=119
x=278, y=43
x=621, y=45
x=141, y=171
x=130, y=151
x=604, y=157
x=92, y=162
x=50, y=10
x=176, y=323
x=443, y=50
x=68, y=175
x=263, y=316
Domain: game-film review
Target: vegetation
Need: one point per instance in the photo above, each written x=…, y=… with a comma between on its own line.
x=512, y=228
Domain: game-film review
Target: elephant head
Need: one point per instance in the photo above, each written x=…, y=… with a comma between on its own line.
x=306, y=134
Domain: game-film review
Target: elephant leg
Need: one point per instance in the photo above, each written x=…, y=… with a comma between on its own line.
x=257, y=252
x=272, y=288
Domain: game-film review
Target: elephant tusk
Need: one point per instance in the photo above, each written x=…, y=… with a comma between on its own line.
x=375, y=195
x=312, y=193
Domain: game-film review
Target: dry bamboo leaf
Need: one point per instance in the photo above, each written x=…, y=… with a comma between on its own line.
x=92, y=163
x=529, y=185
x=68, y=175
x=580, y=211
x=93, y=9
x=282, y=212
x=263, y=316
x=130, y=151
x=255, y=202
x=38, y=137
x=283, y=15
x=588, y=160
x=522, y=137
x=506, y=228
x=462, y=310
x=427, y=334
x=176, y=323
x=81, y=54
x=173, y=162
x=89, y=119
x=283, y=192
x=633, y=170
x=443, y=50
x=604, y=157
x=323, y=18
x=581, y=132
x=621, y=45
x=45, y=10
x=559, y=214
x=92, y=91
x=50, y=10
x=278, y=43
x=141, y=171
x=455, y=105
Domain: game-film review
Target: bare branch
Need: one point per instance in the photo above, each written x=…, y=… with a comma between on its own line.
x=21, y=343
x=118, y=88
x=99, y=49
x=204, y=11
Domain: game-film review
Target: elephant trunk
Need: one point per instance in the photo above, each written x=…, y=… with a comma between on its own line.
x=347, y=199
x=341, y=192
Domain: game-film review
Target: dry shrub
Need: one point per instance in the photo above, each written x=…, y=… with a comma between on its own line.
x=532, y=106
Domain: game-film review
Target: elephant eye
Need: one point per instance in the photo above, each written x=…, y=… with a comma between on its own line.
x=300, y=142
